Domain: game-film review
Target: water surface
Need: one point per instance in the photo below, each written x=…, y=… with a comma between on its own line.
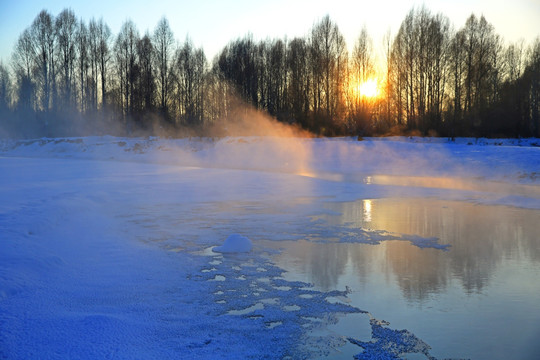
x=479, y=299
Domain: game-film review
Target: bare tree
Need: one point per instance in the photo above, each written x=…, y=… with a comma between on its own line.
x=278, y=80
x=83, y=66
x=519, y=93
x=163, y=41
x=103, y=34
x=532, y=80
x=482, y=48
x=403, y=56
x=218, y=93
x=93, y=54
x=238, y=63
x=127, y=67
x=5, y=89
x=361, y=70
x=146, y=82
x=362, y=57
x=190, y=75
x=436, y=69
x=419, y=55
x=387, y=43
x=66, y=24
x=23, y=65
x=271, y=68
x=328, y=60
x=43, y=37
x=299, y=79
x=457, y=64
x=514, y=61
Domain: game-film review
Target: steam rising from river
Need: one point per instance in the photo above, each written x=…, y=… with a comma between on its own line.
x=249, y=139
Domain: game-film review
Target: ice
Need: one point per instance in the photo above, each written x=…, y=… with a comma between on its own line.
x=235, y=243
x=351, y=234
x=390, y=344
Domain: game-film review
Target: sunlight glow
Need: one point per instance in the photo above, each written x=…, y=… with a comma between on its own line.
x=369, y=88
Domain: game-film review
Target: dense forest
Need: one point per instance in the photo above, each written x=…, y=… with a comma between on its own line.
x=70, y=77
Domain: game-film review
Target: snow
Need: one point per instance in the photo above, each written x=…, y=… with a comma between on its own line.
x=235, y=243
x=113, y=247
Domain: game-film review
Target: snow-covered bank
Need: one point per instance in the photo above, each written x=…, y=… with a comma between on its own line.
x=98, y=259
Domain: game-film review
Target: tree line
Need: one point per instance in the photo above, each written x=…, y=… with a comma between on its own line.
x=72, y=77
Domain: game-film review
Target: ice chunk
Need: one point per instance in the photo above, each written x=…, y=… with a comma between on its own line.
x=388, y=343
x=235, y=243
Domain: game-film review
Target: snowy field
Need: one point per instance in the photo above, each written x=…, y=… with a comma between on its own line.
x=417, y=248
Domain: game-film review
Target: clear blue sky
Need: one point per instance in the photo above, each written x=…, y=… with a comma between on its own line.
x=213, y=23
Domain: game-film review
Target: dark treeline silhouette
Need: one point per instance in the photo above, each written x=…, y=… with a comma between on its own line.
x=69, y=77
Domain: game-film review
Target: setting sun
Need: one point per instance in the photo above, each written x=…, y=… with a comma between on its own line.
x=368, y=88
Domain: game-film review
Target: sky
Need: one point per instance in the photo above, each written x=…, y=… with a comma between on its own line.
x=211, y=24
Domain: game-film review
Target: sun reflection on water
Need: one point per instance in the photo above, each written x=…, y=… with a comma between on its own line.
x=366, y=205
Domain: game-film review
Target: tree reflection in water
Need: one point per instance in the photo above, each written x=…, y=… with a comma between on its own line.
x=484, y=287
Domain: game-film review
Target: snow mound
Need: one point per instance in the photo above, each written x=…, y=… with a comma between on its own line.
x=235, y=243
